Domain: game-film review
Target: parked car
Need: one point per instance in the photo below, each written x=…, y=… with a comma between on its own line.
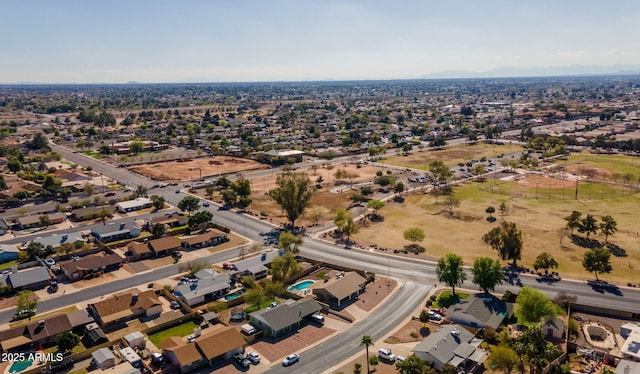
x=386, y=354
x=253, y=357
x=175, y=305
x=400, y=358
x=205, y=204
x=241, y=360
x=290, y=359
x=177, y=191
x=434, y=316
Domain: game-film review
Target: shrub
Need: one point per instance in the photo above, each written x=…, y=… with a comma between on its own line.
x=414, y=335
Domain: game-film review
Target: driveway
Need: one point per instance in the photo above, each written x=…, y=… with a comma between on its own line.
x=274, y=350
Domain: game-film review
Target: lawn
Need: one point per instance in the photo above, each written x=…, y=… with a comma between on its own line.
x=446, y=299
x=453, y=155
x=254, y=308
x=10, y=264
x=541, y=221
x=179, y=330
x=614, y=164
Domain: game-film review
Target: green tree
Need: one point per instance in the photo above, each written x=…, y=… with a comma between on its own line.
x=451, y=202
x=450, y=271
x=376, y=205
x=506, y=240
x=284, y=267
x=503, y=208
x=141, y=191
x=398, y=187
x=503, y=358
x=373, y=361
x=545, y=261
x=293, y=193
x=487, y=273
x=273, y=290
x=35, y=249
x=532, y=307
x=200, y=217
x=26, y=300
x=439, y=171
x=229, y=196
x=608, y=227
x=255, y=296
x=45, y=220
x=189, y=204
x=490, y=210
x=414, y=235
x=367, y=340
x=157, y=230
x=66, y=341
x=102, y=215
x=242, y=187
x=345, y=223
x=424, y=317
x=51, y=184
x=290, y=242
x=588, y=225
x=158, y=202
x=573, y=220
x=414, y=365
x=597, y=261
x=136, y=146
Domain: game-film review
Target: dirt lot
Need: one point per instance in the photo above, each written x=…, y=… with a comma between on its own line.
x=545, y=182
x=196, y=168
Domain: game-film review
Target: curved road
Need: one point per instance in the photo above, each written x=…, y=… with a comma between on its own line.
x=417, y=276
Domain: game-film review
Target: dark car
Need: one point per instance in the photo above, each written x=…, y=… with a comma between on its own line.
x=241, y=360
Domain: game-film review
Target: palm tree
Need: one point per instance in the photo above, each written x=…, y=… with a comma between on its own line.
x=367, y=340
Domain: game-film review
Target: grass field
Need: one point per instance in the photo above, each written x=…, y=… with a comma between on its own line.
x=541, y=222
x=614, y=164
x=451, y=156
x=179, y=330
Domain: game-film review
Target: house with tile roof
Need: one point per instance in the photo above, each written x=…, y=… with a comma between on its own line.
x=164, y=246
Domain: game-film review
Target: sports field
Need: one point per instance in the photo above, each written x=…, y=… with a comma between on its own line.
x=537, y=204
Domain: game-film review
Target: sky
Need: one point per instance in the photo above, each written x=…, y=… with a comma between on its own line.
x=148, y=41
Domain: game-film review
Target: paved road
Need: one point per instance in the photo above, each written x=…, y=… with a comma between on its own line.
x=418, y=275
x=346, y=344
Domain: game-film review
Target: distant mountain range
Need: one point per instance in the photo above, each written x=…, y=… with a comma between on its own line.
x=548, y=71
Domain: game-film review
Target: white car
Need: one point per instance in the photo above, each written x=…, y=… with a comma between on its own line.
x=290, y=360
x=386, y=354
x=253, y=357
x=399, y=358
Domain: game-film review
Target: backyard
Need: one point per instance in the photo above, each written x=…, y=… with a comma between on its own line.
x=179, y=330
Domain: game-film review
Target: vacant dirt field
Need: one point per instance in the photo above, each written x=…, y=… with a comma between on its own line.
x=196, y=168
x=541, y=221
x=453, y=155
x=365, y=173
x=545, y=181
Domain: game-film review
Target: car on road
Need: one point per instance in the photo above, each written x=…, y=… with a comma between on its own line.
x=253, y=357
x=205, y=204
x=241, y=360
x=110, y=194
x=177, y=191
x=290, y=359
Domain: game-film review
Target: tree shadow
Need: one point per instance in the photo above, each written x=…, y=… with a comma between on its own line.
x=616, y=250
x=584, y=242
x=414, y=248
x=491, y=219
x=424, y=331
x=398, y=199
x=602, y=287
x=548, y=279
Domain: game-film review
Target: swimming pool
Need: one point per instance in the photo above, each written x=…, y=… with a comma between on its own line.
x=301, y=285
x=234, y=295
x=19, y=366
